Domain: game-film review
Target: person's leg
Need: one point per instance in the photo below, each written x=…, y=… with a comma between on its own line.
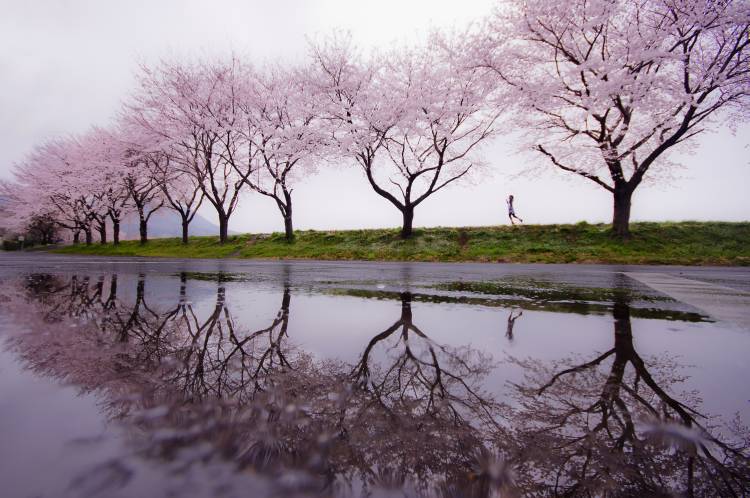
x=510, y=217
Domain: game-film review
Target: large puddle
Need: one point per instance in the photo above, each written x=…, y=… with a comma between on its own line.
x=292, y=382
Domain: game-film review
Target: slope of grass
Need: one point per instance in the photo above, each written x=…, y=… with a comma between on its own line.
x=696, y=243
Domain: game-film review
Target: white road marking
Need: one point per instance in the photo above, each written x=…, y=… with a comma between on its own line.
x=722, y=303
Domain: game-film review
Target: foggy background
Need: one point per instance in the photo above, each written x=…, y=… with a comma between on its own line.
x=65, y=65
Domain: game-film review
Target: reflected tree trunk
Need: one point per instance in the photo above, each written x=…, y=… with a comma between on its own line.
x=583, y=434
x=112, y=297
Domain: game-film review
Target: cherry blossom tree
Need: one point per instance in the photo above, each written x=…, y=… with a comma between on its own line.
x=181, y=193
x=43, y=228
x=132, y=153
x=165, y=164
x=413, y=118
x=106, y=169
x=98, y=177
x=606, y=89
x=115, y=200
x=195, y=108
x=143, y=188
x=15, y=212
x=38, y=222
x=55, y=176
x=282, y=123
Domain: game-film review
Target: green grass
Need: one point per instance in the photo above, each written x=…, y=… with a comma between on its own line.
x=688, y=243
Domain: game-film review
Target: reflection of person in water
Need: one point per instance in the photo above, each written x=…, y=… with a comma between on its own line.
x=512, y=317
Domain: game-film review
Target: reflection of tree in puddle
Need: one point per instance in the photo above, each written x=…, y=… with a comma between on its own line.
x=75, y=297
x=259, y=402
x=409, y=415
x=181, y=379
x=215, y=359
x=420, y=411
x=609, y=426
x=422, y=373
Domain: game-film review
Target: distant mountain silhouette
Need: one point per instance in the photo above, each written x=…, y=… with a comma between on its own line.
x=167, y=223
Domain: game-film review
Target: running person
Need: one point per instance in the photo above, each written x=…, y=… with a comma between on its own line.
x=511, y=211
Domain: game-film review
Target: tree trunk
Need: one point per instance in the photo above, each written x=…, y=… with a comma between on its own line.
x=89, y=238
x=223, y=228
x=406, y=229
x=621, y=215
x=116, y=231
x=102, y=229
x=76, y=237
x=288, y=228
x=185, y=224
x=287, y=214
x=143, y=227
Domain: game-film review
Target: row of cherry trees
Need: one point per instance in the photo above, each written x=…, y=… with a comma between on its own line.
x=602, y=89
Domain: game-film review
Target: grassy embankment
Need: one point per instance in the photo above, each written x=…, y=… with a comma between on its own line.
x=652, y=243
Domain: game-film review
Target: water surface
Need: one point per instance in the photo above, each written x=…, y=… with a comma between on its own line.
x=130, y=378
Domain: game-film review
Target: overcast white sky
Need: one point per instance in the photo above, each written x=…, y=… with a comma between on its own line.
x=65, y=65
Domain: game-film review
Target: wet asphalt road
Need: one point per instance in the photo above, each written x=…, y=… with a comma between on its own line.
x=302, y=272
